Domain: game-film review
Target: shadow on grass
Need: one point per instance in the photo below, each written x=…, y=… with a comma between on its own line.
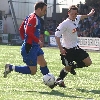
x=87, y=91
x=56, y=93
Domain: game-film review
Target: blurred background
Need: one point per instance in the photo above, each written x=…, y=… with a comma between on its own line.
x=13, y=12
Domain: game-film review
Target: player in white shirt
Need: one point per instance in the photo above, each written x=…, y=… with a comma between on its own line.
x=69, y=49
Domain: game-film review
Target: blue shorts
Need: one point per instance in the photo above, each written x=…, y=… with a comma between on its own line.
x=31, y=58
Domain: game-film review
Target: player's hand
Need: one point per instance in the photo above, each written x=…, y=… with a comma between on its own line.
x=63, y=51
x=91, y=12
x=40, y=43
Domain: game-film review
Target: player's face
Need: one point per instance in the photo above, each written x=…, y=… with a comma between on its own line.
x=43, y=11
x=72, y=14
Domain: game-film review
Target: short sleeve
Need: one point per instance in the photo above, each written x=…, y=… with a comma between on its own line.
x=60, y=29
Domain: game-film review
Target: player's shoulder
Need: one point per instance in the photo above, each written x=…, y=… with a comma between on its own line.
x=32, y=17
x=78, y=17
x=65, y=22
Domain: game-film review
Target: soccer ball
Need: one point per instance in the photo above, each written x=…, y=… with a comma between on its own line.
x=49, y=79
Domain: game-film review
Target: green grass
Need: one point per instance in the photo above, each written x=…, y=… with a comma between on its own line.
x=83, y=86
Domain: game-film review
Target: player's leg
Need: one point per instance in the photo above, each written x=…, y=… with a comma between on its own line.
x=82, y=59
x=87, y=61
x=43, y=64
x=64, y=71
x=20, y=69
x=31, y=63
x=67, y=61
x=44, y=69
x=62, y=75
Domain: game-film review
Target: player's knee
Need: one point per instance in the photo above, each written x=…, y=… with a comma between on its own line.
x=89, y=63
x=68, y=68
x=43, y=63
x=33, y=72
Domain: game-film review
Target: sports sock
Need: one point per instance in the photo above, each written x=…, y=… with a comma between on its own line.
x=10, y=67
x=20, y=69
x=74, y=66
x=63, y=74
x=44, y=70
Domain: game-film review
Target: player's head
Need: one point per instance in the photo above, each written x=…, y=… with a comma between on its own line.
x=40, y=8
x=72, y=12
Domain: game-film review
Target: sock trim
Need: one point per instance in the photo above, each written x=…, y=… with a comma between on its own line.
x=13, y=68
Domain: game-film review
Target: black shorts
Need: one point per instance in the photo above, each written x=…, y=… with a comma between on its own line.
x=74, y=54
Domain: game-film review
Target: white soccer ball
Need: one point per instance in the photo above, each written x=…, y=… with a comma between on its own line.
x=49, y=79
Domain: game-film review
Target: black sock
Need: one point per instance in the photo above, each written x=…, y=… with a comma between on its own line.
x=74, y=66
x=63, y=74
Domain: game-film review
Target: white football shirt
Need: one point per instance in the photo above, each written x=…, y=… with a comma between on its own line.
x=68, y=30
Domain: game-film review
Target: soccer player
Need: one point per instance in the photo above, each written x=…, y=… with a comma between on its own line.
x=70, y=52
x=31, y=48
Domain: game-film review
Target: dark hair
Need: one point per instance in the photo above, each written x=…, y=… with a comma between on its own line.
x=40, y=5
x=73, y=7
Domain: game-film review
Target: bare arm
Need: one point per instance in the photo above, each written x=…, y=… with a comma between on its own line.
x=58, y=42
x=88, y=15
x=62, y=51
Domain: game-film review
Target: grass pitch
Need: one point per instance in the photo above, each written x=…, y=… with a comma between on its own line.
x=83, y=86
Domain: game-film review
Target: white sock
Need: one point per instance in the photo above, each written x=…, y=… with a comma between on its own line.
x=13, y=68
